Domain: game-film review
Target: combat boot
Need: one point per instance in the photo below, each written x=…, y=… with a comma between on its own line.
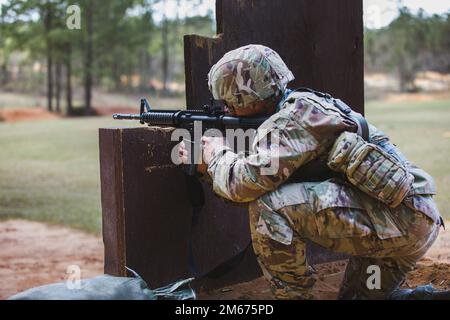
x=426, y=292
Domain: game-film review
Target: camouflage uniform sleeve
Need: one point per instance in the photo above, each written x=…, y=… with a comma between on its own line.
x=303, y=131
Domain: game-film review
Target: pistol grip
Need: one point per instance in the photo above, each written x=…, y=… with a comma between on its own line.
x=190, y=169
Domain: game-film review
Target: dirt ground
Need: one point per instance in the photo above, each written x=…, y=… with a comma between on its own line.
x=34, y=254
x=107, y=104
x=25, y=114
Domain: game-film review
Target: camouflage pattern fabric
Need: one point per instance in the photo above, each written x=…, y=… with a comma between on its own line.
x=248, y=74
x=342, y=225
x=332, y=213
x=370, y=168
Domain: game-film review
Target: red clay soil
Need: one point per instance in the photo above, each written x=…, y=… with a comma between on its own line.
x=26, y=114
x=34, y=254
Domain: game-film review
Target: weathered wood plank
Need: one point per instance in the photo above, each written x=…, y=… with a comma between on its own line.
x=147, y=214
x=112, y=200
x=321, y=41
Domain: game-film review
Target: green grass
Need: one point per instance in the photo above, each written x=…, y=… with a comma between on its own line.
x=49, y=170
x=422, y=131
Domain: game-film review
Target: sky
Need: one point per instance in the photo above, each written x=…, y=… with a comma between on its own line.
x=377, y=13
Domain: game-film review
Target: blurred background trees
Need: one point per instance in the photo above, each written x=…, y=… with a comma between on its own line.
x=409, y=44
x=136, y=46
x=119, y=47
x=127, y=49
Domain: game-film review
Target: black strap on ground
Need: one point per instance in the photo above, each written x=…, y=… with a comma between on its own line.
x=197, y=198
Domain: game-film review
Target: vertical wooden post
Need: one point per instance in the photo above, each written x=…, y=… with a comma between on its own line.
x=321, y=41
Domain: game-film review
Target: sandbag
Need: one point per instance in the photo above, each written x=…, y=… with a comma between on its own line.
x=107, y=287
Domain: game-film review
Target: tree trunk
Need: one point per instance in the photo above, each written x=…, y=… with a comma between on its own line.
x=165, y=52
x=48, y=27
x=58, y=79
x=144, y=67
x=88, y=61
x=5, y=78
x=68, y=63
x=4, y=65
x=116, y=71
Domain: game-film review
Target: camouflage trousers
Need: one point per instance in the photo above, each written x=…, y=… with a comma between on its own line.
x=283, y=220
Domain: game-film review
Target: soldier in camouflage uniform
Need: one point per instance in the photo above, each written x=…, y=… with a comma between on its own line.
x=334, y=212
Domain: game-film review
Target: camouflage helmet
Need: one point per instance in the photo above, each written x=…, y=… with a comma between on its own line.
x=248, y=74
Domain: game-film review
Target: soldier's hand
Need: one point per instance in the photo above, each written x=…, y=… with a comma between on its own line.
x=210, y=144
x=183, y=153
x=184, y=158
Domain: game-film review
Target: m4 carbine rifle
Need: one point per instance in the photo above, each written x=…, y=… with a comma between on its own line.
x=211, y=116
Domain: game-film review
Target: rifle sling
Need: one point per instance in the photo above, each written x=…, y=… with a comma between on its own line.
x=197, y=200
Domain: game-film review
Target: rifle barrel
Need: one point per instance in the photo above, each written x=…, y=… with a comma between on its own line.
x=123, y=116
x=180, y=118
